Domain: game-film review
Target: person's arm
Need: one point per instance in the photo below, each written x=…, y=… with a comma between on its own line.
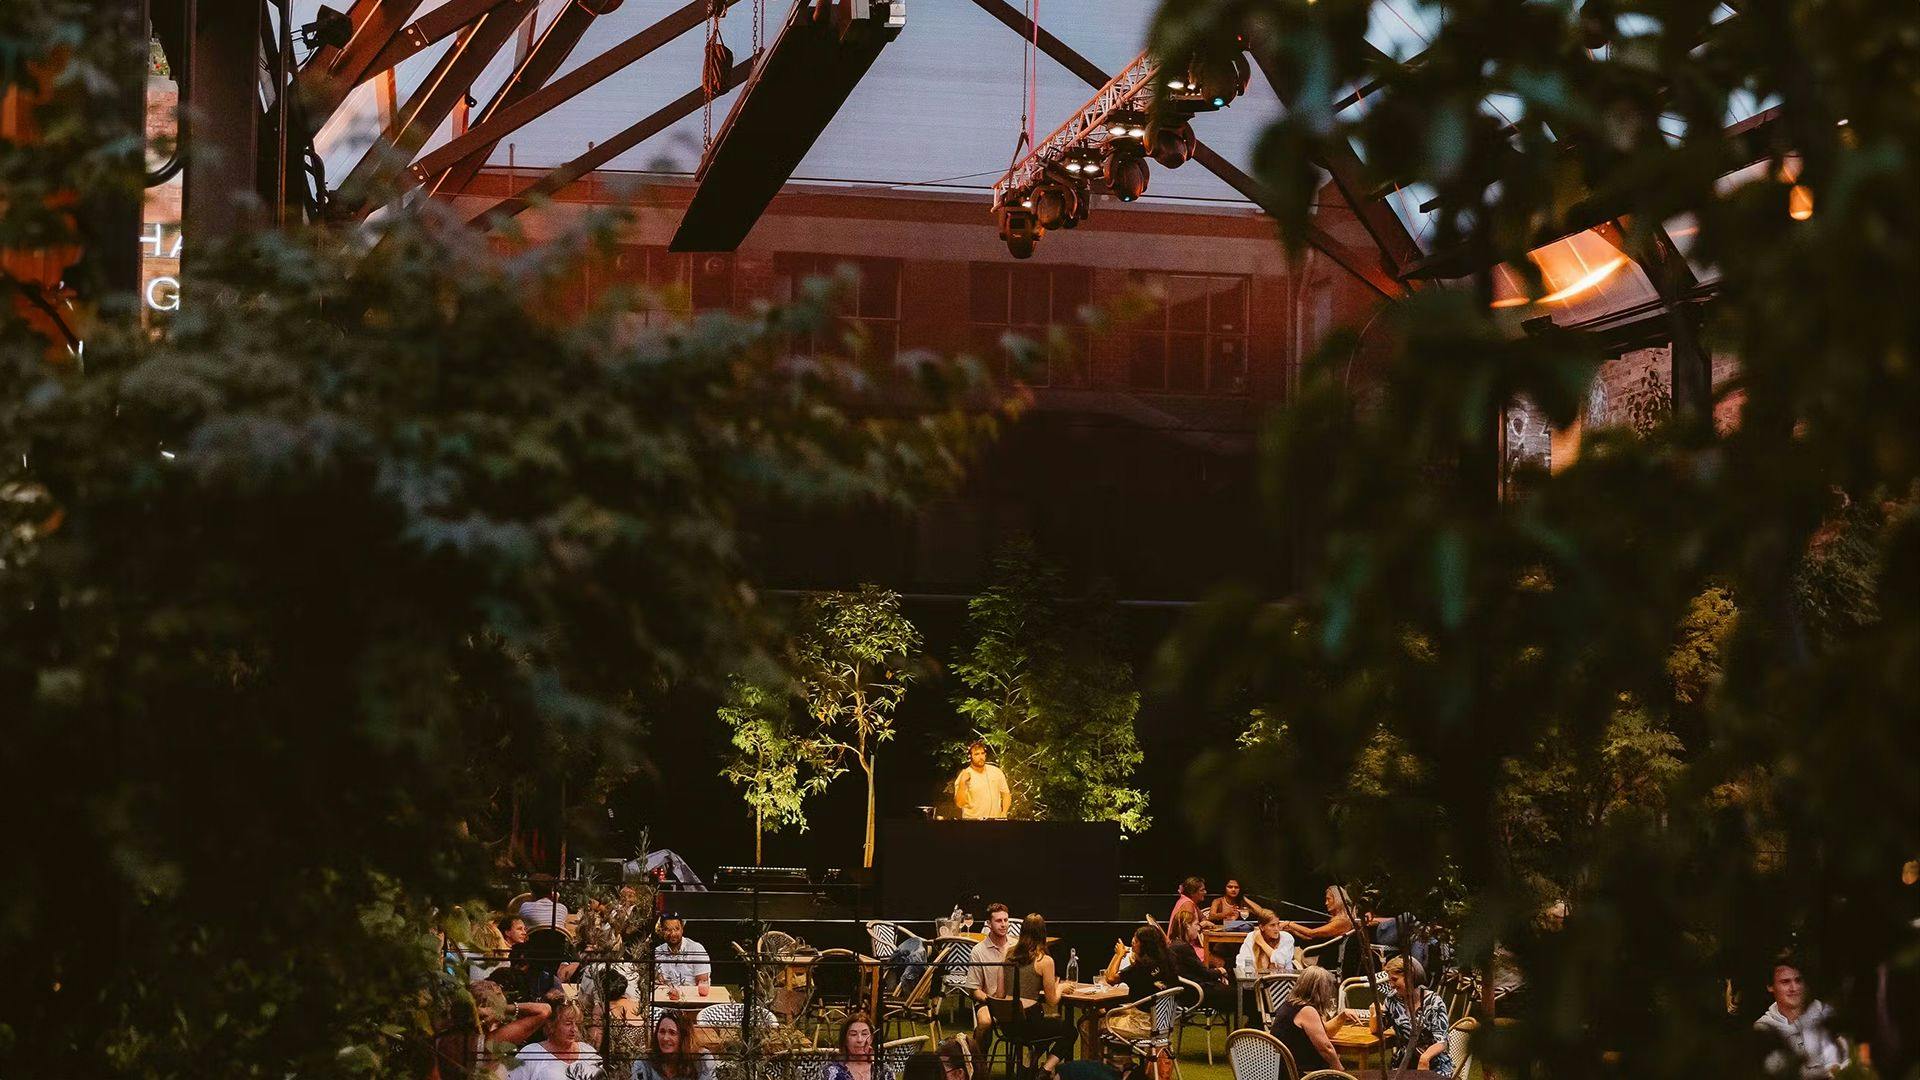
x=960, y=791
x=1337, y=926
x=529, y=1017
x=1006, y=793
x=1112, y=975
x=1320, y=1035
x=1431, y=1052
x=703, y=967
x=1049, y=982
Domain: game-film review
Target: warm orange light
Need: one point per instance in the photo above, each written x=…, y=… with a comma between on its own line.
x=1586, y=281
x=1800, y=202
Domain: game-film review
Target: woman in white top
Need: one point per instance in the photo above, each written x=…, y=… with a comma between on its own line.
x=561, y=1055
x=1267, y=950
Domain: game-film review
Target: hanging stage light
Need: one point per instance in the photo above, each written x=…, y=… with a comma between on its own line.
x=1082, y=161
x=1127, y=124
x=1172, y=146
x=1127, y=176
x=1055, y=204
x=1020, y=229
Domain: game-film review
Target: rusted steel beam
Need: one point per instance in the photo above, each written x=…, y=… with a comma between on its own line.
x=440, y=23
x=535, y=68
x=653, y=124
x=331, y=72
x=538, y=103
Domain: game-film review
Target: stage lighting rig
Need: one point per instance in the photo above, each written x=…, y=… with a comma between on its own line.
x=1142, y=112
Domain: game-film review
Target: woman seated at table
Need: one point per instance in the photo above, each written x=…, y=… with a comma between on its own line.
x=1148, y=968
x=465, y=1046
x=1037, y=987
x=1268, y=950
x=673, y=1056
x=1410, y=1006
x=1189, y=962
x=557, y=1056
x=858, y=1060
x=1305, y=1023
x=1339, y=921
x=615, y=1022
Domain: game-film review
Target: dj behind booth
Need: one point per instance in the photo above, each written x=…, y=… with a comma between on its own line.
x=1065, y=869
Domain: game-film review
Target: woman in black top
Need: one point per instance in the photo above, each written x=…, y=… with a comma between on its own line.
x=1306, y=1022
x=1149, y=968
x=1036, y=991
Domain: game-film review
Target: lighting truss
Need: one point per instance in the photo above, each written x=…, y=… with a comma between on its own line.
x=1131, y=89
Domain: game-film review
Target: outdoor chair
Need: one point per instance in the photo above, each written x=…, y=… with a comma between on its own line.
x=1460, y=1049
x=1329, y=1074
x=1256, y=1055
x=837, y=989
x=1274, y=988
x=1165, y=1009
x=917, y=1002
x=957, y=975
x=728, y=1014
x=1357, y=993
x=886, y=935
x=806, y=1064
x=1194, y=1016
x=894, y=1055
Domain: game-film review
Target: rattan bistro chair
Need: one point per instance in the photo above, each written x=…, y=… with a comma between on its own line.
x=837, y=989
x=918, y=1002
x=1329, y=1074
x=1460, y=1049
x=1165, y=1009
x=1274, y=988
x=1202, y=1016
x=1256, y=1055
x=809, y=1063
x=1357, y=993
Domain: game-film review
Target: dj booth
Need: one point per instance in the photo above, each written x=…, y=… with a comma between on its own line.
x=1061, y=869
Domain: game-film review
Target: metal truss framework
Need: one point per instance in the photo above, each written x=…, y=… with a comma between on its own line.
x=1130, y=89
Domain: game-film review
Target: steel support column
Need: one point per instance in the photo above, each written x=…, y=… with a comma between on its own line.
x=1691, y=367
x=221, y=197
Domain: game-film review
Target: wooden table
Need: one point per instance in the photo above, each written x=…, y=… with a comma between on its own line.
x=1357, y=1045
x=1092, y=999
x=690, y=997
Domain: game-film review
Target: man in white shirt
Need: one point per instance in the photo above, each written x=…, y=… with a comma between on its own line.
x=680, y=961
x=545, y=909
x=1808, y=1049
x=981, y=789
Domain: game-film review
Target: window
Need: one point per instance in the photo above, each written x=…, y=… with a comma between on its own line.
x=703, y=281
x=1192, y=337
x=1031, y=301
x=871, y=308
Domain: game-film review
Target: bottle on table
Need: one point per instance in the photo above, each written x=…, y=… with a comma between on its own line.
x=1073, y=965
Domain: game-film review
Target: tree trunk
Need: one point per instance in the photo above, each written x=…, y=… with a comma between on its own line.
x=756, y=836
x=867, y=854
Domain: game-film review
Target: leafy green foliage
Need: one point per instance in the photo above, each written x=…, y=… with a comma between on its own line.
x=855, y=664
x=1533, y=640
x=776, y=766
x=1048, y=694
x=304, y=593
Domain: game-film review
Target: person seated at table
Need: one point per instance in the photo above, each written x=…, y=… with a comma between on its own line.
x=1190, y=962
x=1148, y=969
x=545, y=909
x=1183, y=935
x=679, y=961
x=493, y=1025
x=1234, y=910
x=1419, y=1018
x=1339, y=921
x=1306, y=1021
x=615, y=1021
x=673, y=1056
x=1802, y=1044
x=990, y=969
x=1266, y=950
x=951, y=1060
x=1037, y=988
x=562, y=1055
x=858, y=1059
x=1193, y=893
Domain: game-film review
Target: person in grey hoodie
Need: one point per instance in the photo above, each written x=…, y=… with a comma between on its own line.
x=1807, y=1048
